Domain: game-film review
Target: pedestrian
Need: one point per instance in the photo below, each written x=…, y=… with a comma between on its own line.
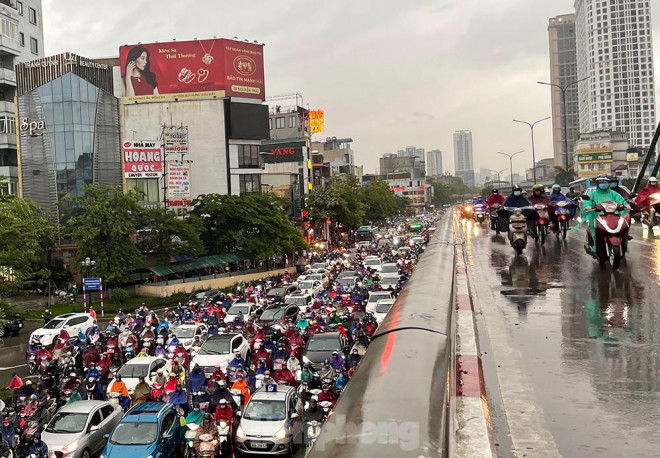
x=92, y=313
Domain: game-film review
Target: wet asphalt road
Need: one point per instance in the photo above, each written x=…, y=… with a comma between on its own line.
x=589, y=341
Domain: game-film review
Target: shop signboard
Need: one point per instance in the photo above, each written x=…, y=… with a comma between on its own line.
x=179, y=191
x=142, y=159
x=176, y=140
x=588, y=156
x=275, y=153
x=316, y=121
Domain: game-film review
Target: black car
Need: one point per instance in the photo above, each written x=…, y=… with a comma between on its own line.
x=276, y=314
x=321, y=346
x=280, y=292
x=209, y=294
x=10, y=324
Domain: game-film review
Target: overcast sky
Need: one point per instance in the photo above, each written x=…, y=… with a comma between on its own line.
x=388, y=73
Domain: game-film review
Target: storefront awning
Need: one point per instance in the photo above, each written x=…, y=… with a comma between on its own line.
x=199, y=263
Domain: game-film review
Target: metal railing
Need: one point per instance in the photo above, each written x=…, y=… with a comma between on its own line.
x=397, y=404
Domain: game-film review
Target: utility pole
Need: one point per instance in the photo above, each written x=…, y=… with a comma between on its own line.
x=510, y=156
x=531, y=127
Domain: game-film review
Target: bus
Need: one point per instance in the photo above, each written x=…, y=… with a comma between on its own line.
x=366, y=234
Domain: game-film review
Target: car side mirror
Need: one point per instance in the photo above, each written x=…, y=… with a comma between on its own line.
x=239, y=413
x=153, y=374
x=106, y=436
x=93, y=428
x=168, y=436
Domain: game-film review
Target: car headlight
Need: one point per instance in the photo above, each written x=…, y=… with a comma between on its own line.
x=72, y=447
x=281, y=434
x=240, y=433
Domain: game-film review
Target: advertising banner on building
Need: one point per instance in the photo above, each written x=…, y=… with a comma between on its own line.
x=316, y=121
x=282, y=152
x=632, y=157
x=179, y=192
x=221, y=67
x=587, y=156
x=142, y=159
x=176, y=140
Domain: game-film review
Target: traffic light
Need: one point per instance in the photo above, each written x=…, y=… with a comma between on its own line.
x=328, y=220
x=305, y=213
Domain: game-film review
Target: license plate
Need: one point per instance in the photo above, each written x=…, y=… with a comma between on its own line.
x=20, y=325
x=259, y=445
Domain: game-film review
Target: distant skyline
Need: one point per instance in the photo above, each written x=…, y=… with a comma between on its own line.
x=387, y=73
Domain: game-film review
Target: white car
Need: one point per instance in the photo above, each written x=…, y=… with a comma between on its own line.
x=145, y=366
x=373, y=262
x=374, y=297
x=246, y=307
x=389, y=283
x=318, y=277
x=71, y=322
x=382, y=307
x=220, y=349
x=186, y=333
x=389, y=268
x=311, y=287
x=300, y=299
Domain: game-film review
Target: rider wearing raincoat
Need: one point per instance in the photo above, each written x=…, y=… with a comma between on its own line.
x=601, y=194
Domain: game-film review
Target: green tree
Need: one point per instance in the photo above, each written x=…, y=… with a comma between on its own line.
x=445, y=189
x=379, y=202
x=104, y=228
x=25, y=238
x=564, y=177
x=164, y=235
x=340, y=201
x=255, y=223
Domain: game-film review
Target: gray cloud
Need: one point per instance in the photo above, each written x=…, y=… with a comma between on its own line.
x=453, y=64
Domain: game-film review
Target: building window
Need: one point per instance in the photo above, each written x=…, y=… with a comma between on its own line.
x=146, y=187
x=279, y=123
x=21, y=38
x=19, y=7
x=34, y=45
x=33, y=16
x=250, y=183
x=248, y=156
x=270, y=123
x=292, y=121
x=9, y=28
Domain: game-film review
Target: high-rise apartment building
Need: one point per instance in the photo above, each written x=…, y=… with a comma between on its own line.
x=563, y=72
x=463, y=156
x=434, y=163
x=615, y=53
x=411, y=151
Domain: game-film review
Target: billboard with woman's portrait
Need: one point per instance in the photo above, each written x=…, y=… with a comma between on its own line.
x=226, y=68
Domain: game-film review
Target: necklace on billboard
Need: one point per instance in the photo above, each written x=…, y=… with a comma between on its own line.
x=207, y=58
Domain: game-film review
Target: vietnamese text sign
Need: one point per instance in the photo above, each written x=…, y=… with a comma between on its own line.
x=142, y=159
x=594, y=157
x=92, y=284
x=179, y=192
x=176, y=140
x=316, y=121
x=274, y=153
x=155, y=69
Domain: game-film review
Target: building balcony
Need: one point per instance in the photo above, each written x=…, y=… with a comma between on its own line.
x=7, y=141
x=8, y=172
x=6, y=108
x=9, y=46
x=7, y=76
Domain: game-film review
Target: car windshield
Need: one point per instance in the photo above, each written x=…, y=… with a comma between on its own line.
x=315, y=277
x=346, y=281
x=297, y=300
x=238, y=308
x=264, y=410
x=215, y=347
x=200, y=295
x=276, y=292
x=375, y=297
x=134, y=433
x=318, y=266
x=383, y=308
x=67, y=423
x=389, y=281
x=134, y=370
x=183, y=333
x=372, y=262
x=324, y=344
x=272, y=315
x=389, y=269
x=54, y=324
x=307, y=285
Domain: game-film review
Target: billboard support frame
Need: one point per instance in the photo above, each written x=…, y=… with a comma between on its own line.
x=164, y=126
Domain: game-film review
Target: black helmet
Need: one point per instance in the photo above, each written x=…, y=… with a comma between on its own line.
x=496, y=191
x=517, y=188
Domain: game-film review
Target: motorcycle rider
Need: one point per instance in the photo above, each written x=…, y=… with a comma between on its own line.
x=224, y=412
x=38, y=448
x=495, y=198
x=238, y=361
x=478, y=200
x=642, y=199
x=120, y=387
x=141, y=392
x=516, y=200
x=95, y=373
x=337, y=361
x=614, y=186
x=327, y=395
x=207, y=427
x=571, y=194
x=556, y=196
x=314, y=412
x=601, y=194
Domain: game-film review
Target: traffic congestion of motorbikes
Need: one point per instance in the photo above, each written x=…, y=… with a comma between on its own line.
x=257, y=369
x=606, y=208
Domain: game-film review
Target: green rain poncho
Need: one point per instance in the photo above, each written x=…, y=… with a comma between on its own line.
x=598, y=196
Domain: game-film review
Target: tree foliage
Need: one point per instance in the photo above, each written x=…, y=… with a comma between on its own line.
x=564, y=177
x=340, y=201
x=255, y=223
x=379, y=202
x=104, y=228
x=164, y=235
x=444, y=190
x=25, y=239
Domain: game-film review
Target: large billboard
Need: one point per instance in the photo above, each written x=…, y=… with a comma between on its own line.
x=142, y=159
x=158, y=71
x=275, y=153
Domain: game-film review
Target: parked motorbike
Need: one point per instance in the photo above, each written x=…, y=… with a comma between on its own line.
x=611, y=235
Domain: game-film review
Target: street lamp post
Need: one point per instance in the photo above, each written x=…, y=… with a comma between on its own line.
x=563, y=90
x=510, y=156
x=498, y=173
x=531, y=127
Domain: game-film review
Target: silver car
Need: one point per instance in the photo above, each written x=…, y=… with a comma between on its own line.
x=77, y=430
x=270, y=425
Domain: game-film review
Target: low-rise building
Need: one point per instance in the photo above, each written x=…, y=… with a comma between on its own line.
x=604, y=151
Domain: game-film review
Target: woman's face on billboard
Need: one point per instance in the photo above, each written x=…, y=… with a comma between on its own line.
x=141, y=62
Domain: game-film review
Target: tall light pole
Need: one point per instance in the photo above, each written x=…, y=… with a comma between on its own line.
x=563, y=90
x=510, y=156
x=497, y=173
x=531, y=127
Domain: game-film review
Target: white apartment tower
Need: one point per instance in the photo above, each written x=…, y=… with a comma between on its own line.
x=615, y=52
x=434, y=163
x=463, y=156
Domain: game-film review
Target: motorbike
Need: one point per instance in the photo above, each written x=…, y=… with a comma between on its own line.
x=479, y=213
x=224, y=428
x=611, y=235
x=90, y=388
x=540, y=230
x=518, y=227
x=31, y=356
x=564, y=214
x=208, y=446
x=312, y=432
x=494, y=220
x=189, y=438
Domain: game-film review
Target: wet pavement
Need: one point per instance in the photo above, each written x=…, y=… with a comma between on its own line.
x=589, y=341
